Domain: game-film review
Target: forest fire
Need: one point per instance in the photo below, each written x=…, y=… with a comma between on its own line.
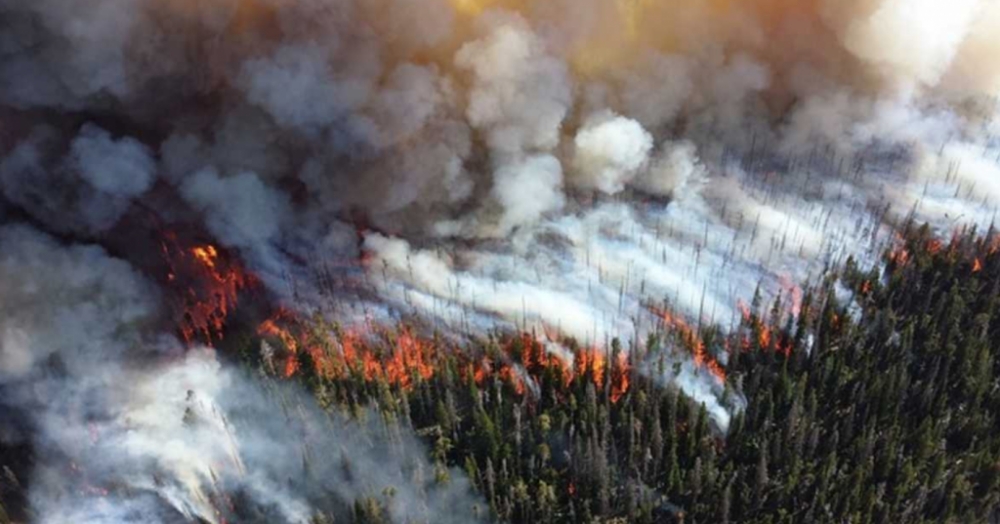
x=209, y=283
x=268, y=261
x=206, y=255
x=693, y=341
x=767, y=337
x=764, y=337
x=899, y=255
x=923, y=243
x=207, y=286
x=401, y=358
x=620, y=379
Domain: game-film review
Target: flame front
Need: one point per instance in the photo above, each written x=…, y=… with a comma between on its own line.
x=401, y=358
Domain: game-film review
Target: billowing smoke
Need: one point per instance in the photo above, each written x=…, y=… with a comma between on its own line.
x=569, y=166
x=96, y=180
x=610, y=151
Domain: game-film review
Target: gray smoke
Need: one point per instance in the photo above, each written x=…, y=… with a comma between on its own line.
x=88, y=189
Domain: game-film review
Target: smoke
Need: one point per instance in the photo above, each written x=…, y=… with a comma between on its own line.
x=527, y=190
x=610, y=151
x=559, y=165
x=88, y=189
x=906, y=42
x=128, y=428
x=676, y=172
x=297, y=86
x=117, y=168
x=518, y=93
x=64, y=302
x=197, y=440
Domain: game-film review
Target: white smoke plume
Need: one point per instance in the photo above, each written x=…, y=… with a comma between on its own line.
x=525, y=164
x=610, y=151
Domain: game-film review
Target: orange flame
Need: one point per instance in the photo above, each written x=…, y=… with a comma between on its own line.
x=591, y=361
x=206, y=255
x=977, y=265
x=691, y=339
x=934, y=246
x=208, y=285
x=412, y=359
x=620, y=378
x=206, y=315
x=899, y=255
x=272, y=328
x=408, y=357
x=291, y=367
x=765, y=337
